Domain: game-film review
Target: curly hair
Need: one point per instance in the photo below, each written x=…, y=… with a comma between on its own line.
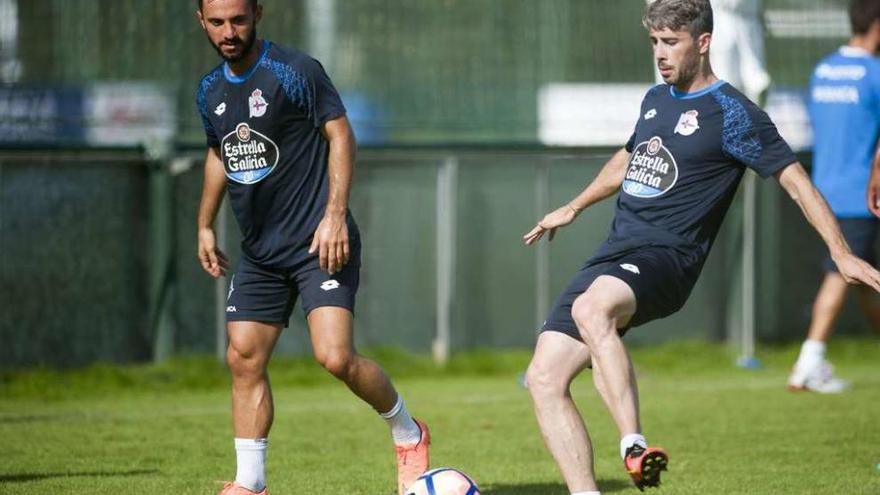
x=695, y=16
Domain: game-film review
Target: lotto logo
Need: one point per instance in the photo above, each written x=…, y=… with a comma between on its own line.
x=330, y=285
x=631, y=268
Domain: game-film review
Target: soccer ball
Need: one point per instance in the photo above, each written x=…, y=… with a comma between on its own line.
x=443, y=481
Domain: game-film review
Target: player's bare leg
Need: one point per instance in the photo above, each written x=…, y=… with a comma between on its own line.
x=331, y=330
x=599, y=383
x=332, y=340
x=599, y=312
x=606, y=306
x=811, y=371
x=250, y=347
x=558, y=359
x=826, y=307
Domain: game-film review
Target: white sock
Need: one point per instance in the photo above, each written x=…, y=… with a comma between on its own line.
x=812, y=354
x=404, y=429
x=250, y=454
x=632, y=439
x=587, y=493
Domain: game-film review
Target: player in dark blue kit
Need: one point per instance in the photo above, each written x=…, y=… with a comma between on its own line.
x=280, y=144
x=677, y=176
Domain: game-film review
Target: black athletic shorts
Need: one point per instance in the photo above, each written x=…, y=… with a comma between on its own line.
x=259, y=293
x=660, y=277
x=860, y=234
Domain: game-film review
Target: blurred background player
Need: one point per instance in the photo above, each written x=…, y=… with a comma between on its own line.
x=10, y=67
x=738, y=46
x=280, y=143
x=738, y=55
x=845, y=113
x=676, y=178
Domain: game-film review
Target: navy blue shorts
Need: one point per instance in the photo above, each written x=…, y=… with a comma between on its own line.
x=660, y=277
x=259, y=293
x=860, y=234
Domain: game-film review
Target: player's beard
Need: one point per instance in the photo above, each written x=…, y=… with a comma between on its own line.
x=246, y=44
x=687, y=72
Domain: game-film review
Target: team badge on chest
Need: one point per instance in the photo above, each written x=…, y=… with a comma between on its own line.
x=257, y=103
x=687, y=123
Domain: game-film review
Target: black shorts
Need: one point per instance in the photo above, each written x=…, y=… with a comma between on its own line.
x=860, y=234
x=259, y=293
x=660, y=277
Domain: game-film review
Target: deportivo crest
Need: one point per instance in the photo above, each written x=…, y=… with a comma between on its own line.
x=652, y=170
x=257, y=103
x=687, y=123
x=248, y=156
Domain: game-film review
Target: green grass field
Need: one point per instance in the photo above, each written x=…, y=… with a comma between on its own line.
x=166, y=429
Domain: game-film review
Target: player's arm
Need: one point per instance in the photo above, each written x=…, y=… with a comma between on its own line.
x=331, y=237
x=874, y=185
x=211, y=257
x=606, y=184
x=797, y=184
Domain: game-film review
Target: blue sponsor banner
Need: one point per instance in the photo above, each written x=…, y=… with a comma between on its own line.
x=41, y=115
x=635, y=189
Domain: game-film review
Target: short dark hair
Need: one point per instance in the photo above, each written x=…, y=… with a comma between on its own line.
x=862, y=14
x=695, y=16
x=252, y=2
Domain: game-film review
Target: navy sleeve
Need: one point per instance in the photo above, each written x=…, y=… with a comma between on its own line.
x=751, y=138
x=631, y=143
x=202, y=104
x=325, y=104
x=210, y=135
x=307, y=85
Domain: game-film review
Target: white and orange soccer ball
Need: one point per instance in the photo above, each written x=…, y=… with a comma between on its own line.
x=443, y=481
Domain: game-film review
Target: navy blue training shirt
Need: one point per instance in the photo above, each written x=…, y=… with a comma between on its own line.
x=267, y=126
x=689, y=152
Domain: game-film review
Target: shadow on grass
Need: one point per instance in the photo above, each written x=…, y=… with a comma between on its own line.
x=35, y=418
x=607, y=486
x=24, y=477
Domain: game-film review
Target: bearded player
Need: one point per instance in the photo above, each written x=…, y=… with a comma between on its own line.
x=675, y=179
x=280, y=144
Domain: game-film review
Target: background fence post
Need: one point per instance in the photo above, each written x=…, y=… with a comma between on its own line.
x=747, y=357
x=162, y=261
x=542, y=249
x=447, y=212
x=221, y=285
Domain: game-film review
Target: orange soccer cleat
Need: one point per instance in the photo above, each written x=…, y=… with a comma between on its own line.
x=413, y=459
x=230, y=488
x=644, y=465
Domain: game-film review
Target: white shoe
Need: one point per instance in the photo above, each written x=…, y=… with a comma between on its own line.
x=797, y=380
x=820, y=379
